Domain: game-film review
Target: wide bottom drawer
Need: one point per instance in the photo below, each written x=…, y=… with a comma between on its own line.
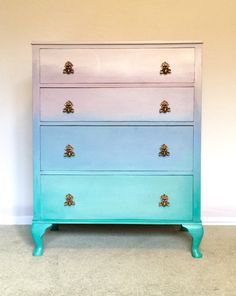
x=116, y=197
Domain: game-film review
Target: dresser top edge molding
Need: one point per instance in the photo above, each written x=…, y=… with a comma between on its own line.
x=119, y=43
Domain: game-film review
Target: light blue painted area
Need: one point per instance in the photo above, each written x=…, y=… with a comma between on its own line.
x=116, y=197
x=117, y=148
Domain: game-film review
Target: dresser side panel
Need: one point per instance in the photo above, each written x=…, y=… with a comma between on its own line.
x=36, y=131
x=197, y=134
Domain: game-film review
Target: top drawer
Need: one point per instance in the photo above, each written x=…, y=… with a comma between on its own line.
x=113, y=65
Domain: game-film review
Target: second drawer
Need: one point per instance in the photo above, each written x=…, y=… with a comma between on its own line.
x=117, y=148
x=117, y=104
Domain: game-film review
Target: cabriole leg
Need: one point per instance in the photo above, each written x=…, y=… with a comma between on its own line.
x=196, y=231
x=38, y=230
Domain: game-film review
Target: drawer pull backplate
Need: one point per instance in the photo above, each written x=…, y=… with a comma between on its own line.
x=69, y=151
x=69, y=200
x=164, y=151
x=164, y=107
x=68, y=68
x=164, y=201
x=68, y=107
x=165, y=68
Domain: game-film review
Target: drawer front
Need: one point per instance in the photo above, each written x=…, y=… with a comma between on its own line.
x=116, y=148
x=116, y=197
x=117, y=104
x=113, y=65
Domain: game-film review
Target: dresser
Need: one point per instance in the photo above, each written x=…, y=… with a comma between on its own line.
x=116, y=136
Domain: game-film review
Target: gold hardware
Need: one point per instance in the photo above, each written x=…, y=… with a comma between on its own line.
x=164, y=107
x=69, y=151
x=68, y=107
x=164, y=150
x=68, y=68
x=69, y=200
x=164, y=201
x=165, y=68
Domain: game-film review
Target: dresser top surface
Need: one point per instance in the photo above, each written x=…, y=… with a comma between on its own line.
x=118, y=43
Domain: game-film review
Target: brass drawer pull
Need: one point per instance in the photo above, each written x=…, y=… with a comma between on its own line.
x=164, y=201
x=69, y=151
x=68, y=107
x=165, y=69
x=164, y=107
x=68, y=68
x=164, y=151
x=69, y=200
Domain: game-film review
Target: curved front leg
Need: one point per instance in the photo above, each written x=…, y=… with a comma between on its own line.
x=38, y=230
x=196, y=231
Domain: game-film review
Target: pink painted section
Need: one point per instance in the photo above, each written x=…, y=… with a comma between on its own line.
x=117, y=104
x=113, y=65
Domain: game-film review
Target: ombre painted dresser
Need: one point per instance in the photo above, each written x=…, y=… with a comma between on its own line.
x=117, y=135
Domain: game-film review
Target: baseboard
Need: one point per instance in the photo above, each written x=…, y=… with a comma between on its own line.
x=219, y=220
x=219, y=216
x=207, y=220
x=16, y=220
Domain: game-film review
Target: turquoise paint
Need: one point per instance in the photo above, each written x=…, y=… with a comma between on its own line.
x=113, y=221
x=38, y=230
x=116, y=197
x=196, y=231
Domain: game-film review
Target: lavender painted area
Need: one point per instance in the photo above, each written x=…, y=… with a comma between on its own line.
x=112, y=65
x=117, y=104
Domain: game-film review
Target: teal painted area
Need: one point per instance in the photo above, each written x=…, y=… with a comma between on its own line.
x=116, y=197
x=114, y=221
x=38, y=230
x=117, y=148
x=196, y=231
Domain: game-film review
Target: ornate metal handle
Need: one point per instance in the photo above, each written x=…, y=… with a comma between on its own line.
x=68, y=107
x=69, y=200
x=164, y=201
x=68, y=68
x=69, y=151
x=165, y=68
x=164, y=151
x=164, y=107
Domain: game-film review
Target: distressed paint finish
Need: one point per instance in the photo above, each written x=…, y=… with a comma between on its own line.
x=117, y=148
x=117, y=176
x=117, y=104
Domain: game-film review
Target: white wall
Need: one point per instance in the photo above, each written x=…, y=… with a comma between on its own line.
x=212, y=21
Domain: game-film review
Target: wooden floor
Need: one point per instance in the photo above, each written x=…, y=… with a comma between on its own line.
x=106, y=260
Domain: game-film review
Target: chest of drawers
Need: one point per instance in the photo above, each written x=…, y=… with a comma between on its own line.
x=117, y=136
